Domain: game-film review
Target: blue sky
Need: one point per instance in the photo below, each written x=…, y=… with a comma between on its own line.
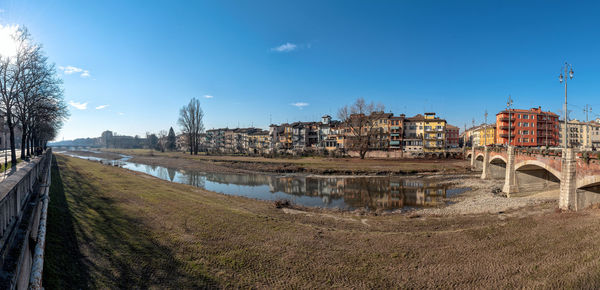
x=297, y=60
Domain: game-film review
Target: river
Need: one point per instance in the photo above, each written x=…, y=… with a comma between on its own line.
x=347, y=193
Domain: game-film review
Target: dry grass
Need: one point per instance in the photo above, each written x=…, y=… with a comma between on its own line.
x=136, y=231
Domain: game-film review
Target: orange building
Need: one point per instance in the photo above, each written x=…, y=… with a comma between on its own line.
x=530, y=128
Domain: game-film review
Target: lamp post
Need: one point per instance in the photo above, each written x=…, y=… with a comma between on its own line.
x=568, y=74
x=508, y=105
x=4, y=129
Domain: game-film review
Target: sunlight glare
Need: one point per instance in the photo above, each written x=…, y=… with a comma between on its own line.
x=8, y=46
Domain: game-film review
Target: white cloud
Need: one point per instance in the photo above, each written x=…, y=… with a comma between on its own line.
x=73, y=69
x=121, y=114
x=208, y=96
x=1, y=10
x=101, y=107
x=286, y=47
x=79, y=106
x=300, y=105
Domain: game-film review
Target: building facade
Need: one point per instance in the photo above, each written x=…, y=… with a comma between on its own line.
x=434, y=139
x=452, y=136
x=527, y=128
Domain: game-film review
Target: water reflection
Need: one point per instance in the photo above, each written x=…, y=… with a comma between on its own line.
x=335, y=192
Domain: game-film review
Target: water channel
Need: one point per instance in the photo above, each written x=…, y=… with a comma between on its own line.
x=348, y=193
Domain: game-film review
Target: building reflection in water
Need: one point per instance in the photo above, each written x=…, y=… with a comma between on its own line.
x=356, y=192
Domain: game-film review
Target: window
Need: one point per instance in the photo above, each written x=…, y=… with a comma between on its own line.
x=525, y=116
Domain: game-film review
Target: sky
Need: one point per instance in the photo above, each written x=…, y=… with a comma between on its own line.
x=129, y=66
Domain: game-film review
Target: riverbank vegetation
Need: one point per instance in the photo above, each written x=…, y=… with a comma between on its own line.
x=124, y=229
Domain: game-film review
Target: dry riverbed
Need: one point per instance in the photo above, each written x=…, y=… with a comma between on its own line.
x=130, y=230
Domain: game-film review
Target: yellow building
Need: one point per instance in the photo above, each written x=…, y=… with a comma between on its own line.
x=434, y=133
x=484, y=135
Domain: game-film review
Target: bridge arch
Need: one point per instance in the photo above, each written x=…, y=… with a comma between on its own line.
x=530, y=164
x=478, y=162
x=496, y=158
x=497, y=167
x=588, y=191
x=534, y=176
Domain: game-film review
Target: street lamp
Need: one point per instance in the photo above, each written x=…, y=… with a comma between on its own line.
x=568, y=74
x=4, y=129
x=508, y=105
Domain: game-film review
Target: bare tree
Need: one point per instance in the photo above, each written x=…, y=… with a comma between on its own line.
x=190, y=120
x=360, y=125
x=30, y=95
x=163, y=141
x=11, y=68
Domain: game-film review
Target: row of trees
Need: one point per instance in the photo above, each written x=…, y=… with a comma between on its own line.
x=31, y=95
x=162, y=141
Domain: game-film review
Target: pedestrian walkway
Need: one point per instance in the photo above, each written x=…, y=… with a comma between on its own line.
x=6, y=174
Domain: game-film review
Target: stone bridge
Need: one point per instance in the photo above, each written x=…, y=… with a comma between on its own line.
x=576, y=174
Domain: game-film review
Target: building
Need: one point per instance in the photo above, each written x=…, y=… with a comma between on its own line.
x=484, y=135
x=434, y=138
x=595, y=133
x=395, y=130
x=452, y=136
x=528, y=128
x=580, y=135
x=412, y=140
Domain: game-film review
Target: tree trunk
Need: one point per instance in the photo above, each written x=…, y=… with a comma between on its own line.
x=11, y=129
x=363, y=153
x=30, y=145
x=23, y=142
x=191, y=144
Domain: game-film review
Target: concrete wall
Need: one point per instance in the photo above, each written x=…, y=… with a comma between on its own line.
x=478, y=164
x=588, y=196
x=532, y=178
x=497, y=169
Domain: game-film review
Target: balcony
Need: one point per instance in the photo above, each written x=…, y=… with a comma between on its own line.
x=505, y=135
x=505, y=119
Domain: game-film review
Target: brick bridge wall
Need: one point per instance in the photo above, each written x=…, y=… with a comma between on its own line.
x=537, y=169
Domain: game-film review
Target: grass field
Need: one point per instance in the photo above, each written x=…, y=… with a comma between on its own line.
x=113, y=228
x=319, y=165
